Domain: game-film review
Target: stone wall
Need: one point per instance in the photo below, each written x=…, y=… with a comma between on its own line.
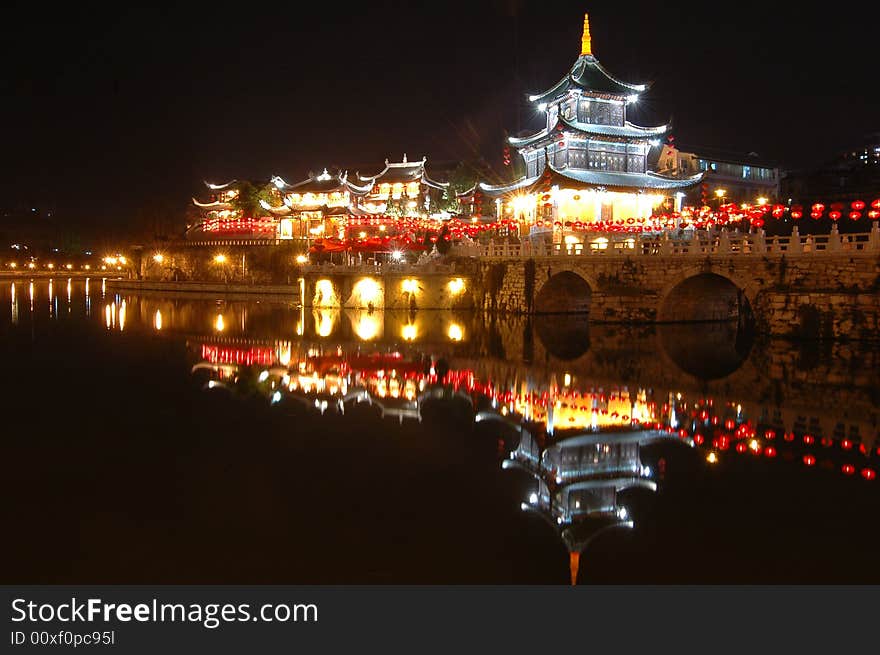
x=812, y=296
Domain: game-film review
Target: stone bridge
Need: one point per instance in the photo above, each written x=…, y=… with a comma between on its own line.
x=822, y=287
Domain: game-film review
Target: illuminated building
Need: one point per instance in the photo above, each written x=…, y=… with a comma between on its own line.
x=588, y=164
x=221, y=215
x=317, y=206
x=403, y=188
x=743, y=178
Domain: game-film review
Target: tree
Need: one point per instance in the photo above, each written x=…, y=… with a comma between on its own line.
x=462, y=179
x=249, y=196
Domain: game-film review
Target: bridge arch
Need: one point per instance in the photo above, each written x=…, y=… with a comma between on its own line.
x=563, y=291
x=702, y=295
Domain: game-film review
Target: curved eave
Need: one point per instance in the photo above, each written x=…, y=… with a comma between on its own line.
x=627, y=181
x=212, y=205
x=521, y=142
x=218, y=187
x=638, y=88
x=627, y=130
x=501, y=189
x=442, y=186
x=467, y=192
x=577, y=76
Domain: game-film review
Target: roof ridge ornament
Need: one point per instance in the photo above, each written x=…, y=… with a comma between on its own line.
x=586, y=40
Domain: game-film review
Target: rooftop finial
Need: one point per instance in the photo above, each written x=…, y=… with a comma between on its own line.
x=586, y=44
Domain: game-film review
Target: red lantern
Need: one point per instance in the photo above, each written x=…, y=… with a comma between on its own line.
x=819, y=207
x=816, y=215
x=796, y=215
x=837, y=206
x=874, y=214
x=834, y=215
x=758, y=223
x=858, y=205
x=875, y=204
x=855, y=215
x=778, y=211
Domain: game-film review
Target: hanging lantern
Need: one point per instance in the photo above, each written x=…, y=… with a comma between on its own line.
x=875, y=204
x=819, y=207
x=796, y=215
x=834, y=215
x=778, y=211
x=816, y=215
x=858, y=205
x=874, y=214
x=855, y=215
x=758, y=223
x=837, y=206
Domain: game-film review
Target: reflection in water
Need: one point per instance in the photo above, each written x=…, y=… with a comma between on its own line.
x=14, y=308
x=584, y=418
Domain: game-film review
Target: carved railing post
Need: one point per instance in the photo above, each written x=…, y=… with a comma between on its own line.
x=759, y=244
x=723, y=242
x=833, y=239
x=794, y=243
x=874, y=236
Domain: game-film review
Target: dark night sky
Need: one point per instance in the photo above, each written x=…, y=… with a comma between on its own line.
x=105, y=110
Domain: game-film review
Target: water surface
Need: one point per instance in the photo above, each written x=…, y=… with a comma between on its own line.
x=159, y=440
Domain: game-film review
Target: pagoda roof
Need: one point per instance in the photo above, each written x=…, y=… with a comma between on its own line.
x=403, y=172
x=587, y=74
x=323, y=183
x=220, y=187
x=626, y=131
x=212, y=205
x=591, y=179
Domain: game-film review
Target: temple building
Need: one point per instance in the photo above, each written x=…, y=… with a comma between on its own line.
x=589, y=163
x=403, y=189
x=317, y=206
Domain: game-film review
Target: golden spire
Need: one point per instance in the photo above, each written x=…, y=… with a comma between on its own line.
x=586, y=45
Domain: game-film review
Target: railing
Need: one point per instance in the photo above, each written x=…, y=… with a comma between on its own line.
x=723, y=244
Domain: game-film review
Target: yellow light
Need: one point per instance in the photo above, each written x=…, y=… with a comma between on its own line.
x=712, y=458
x=367, y=290
x=720, y=193
x=410, y=332
x=456, y=286
x=122, y=260
x=455, y=332
x=158, y=258
x=68, y=266
x=324, y=294
x=219, y=259
x=12, y=264
x=600, y=244
x=362, y=235
x=122, y=316
x=566, y=380
x=50, y=266
x=219, y=324
x=586, y=41
x=367, y=327
x=410, y=286
x=571, y=240
x=87, y=267
x=762, y=200
x=753, y=444
x=32, y=265
x=323, y=323
x=157, y=320
x=301, y=259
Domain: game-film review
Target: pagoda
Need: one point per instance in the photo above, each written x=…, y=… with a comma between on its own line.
x=589, y=163
x=580, y=479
